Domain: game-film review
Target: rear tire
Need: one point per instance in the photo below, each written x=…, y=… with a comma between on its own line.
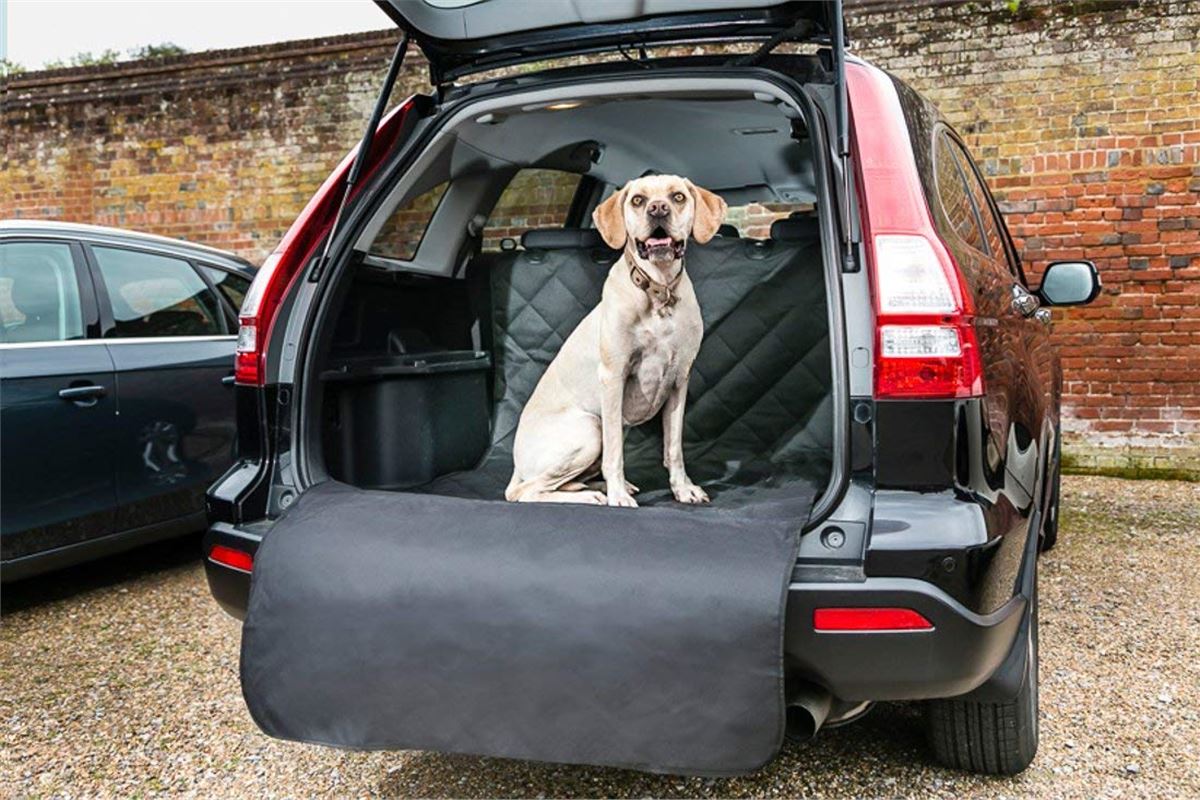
x=990, y=738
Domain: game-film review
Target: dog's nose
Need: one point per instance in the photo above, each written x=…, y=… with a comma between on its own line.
x=658, y=209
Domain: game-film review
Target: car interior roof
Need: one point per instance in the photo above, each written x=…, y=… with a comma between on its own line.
x=719, y=142
x=738, y=144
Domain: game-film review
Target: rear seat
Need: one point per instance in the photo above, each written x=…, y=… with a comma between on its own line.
x=538, y=295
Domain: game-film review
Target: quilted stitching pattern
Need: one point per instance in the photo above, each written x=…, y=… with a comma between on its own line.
x=757, y=386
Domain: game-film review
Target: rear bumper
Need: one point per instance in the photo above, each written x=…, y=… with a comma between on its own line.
x=961, y=651
x=230, y=587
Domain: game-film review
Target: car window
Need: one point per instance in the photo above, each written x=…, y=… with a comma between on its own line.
x=979, y=192
x=233, y=287
x=39, y=294
x=401, y=235
x=754, y=220
x=154, y=295
x=954, y=197
x=534, y=198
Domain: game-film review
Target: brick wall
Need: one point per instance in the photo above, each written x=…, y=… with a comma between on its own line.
x=1085, y=116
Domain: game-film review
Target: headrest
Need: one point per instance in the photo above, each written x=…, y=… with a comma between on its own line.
x=796, y=229
x=35, y=290
x=561, y=239
x=728, y=231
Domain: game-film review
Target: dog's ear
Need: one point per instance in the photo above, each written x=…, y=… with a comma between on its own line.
x=710, y=212
x=609, y=217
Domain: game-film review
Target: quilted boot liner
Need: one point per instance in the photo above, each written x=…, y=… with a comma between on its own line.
x=643, y=638
x=757, y=425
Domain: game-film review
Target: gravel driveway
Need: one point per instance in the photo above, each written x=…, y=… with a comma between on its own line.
x=121, y=678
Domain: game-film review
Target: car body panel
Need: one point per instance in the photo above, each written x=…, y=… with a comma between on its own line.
x=176, y=431
x=58, y=485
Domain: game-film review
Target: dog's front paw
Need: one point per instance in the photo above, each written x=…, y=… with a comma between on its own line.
x=623, y=499
x=689, y=493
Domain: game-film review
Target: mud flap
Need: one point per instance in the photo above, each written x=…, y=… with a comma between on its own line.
x=646, y=638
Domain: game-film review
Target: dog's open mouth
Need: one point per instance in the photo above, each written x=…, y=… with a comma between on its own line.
x=660, y=246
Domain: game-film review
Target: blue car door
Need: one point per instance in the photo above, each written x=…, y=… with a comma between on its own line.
x=59, y=407
x=172, y=345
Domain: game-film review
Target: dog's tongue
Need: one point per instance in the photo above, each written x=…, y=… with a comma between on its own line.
x=659, y=241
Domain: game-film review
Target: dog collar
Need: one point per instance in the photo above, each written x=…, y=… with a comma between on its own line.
x=662, y=295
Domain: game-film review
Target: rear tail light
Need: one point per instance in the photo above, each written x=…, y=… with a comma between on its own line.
x=229, y=557
x=845, y=620
x=298, y=247
x=926, y=346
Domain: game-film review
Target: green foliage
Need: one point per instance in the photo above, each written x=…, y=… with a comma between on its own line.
x=9, y=68
x=164, y=50
x=108, y=57
x=86, y=59
x=1013, y=6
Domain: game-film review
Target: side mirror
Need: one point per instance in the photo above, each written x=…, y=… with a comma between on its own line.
x=1070, y=283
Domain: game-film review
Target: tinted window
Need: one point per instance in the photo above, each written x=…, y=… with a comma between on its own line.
x=39, y=295
x=979, y=192
x=402, y=233
x=952, y=192
x=153, y=295
x=754, y=220
x=534, y=198
x=234, y=287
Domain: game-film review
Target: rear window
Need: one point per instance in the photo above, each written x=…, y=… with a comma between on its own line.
x=953, y=195
x=401, y=235
x=754, y=220
x=535, y=198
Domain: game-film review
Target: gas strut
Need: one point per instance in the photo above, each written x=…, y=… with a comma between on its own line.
x=843, y=137
x=364, y=148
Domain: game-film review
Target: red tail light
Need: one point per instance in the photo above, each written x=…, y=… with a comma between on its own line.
x=925, y=342
x=844, y=620
x=228, y=557
x=298, y=247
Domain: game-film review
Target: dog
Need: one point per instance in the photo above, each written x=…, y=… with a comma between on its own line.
x=629, y=358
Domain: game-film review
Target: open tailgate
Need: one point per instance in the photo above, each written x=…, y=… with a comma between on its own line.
x=464, y=36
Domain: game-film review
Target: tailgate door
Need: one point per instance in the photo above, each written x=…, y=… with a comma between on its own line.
x=463, y=36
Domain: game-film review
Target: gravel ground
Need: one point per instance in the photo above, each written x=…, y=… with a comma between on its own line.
x=120, y=678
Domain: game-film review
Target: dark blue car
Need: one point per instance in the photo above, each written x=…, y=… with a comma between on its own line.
x=116, y=363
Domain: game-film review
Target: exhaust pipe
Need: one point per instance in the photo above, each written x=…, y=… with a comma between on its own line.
x=807, y=707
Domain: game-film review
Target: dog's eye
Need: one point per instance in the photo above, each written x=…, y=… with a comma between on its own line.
x=678, y=197
x=637, y=200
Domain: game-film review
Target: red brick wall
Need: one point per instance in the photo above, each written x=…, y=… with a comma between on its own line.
x=1085, y=116
x=1086, y=119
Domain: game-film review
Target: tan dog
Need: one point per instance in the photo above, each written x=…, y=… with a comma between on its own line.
x=628, y=358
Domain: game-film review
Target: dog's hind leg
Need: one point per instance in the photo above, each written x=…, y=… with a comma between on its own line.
x=535, y=491
x=558, y=453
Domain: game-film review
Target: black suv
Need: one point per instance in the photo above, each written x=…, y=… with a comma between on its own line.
x=876, y=379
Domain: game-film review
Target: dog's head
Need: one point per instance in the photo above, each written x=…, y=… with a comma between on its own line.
x=656, y=214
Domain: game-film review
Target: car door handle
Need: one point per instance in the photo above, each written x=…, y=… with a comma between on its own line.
x=1024, y=302
x=228, y=380
x=83, y=396
x=1043, y=316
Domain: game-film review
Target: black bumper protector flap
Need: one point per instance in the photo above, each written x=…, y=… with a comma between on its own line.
x=643, y=638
